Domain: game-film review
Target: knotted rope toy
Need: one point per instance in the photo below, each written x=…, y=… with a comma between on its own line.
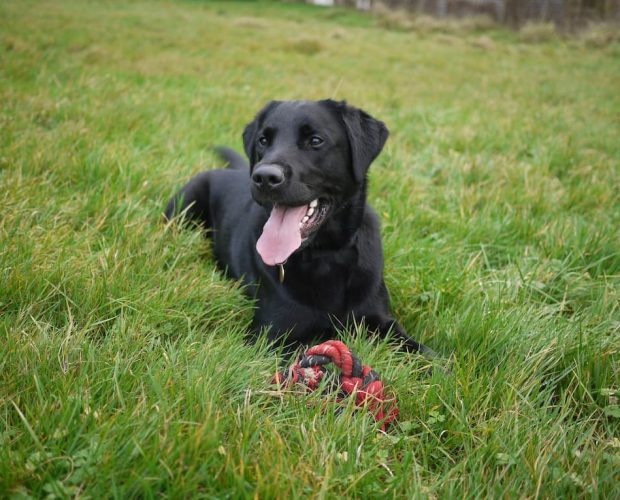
x=355, y=378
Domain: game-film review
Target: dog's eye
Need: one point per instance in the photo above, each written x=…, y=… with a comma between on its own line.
x=262, y=140
x=315, y=141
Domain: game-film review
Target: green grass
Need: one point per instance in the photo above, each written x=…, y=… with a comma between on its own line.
x=123, y=369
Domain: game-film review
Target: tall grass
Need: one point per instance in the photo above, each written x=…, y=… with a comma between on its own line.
x=123, y=366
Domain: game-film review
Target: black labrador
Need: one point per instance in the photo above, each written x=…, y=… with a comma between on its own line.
x=295, y=226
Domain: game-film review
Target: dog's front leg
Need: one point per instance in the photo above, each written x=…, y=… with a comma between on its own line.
x=387, y=326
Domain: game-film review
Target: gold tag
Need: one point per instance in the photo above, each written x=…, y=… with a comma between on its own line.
x=281, y=273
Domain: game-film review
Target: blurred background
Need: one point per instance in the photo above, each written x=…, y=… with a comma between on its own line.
x=566, y=14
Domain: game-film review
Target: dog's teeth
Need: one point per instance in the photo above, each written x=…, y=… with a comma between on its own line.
x=305, y=219
x=301, y=224
x=310, y=212
x=314, y=203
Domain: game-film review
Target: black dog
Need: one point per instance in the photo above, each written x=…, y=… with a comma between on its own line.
x=296, y=228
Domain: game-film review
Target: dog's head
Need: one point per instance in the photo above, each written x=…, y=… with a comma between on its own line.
x=306, y=160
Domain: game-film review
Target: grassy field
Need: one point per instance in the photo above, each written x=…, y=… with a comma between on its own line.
x=123, y=369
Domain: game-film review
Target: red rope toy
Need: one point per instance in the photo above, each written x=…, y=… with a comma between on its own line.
x=355, y=378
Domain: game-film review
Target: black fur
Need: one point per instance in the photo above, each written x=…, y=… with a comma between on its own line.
x=336, y=276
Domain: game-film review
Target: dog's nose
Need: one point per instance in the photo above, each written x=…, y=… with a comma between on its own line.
x=268, y=176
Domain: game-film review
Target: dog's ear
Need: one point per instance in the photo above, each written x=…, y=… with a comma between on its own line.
x=249, y=133
x=367, y=136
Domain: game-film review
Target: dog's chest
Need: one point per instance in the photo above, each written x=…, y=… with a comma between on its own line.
x=320, y=284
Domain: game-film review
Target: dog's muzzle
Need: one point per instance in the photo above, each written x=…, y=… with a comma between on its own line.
x=268, y=177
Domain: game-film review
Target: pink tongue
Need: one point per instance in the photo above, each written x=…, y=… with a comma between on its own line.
x=281, y=235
